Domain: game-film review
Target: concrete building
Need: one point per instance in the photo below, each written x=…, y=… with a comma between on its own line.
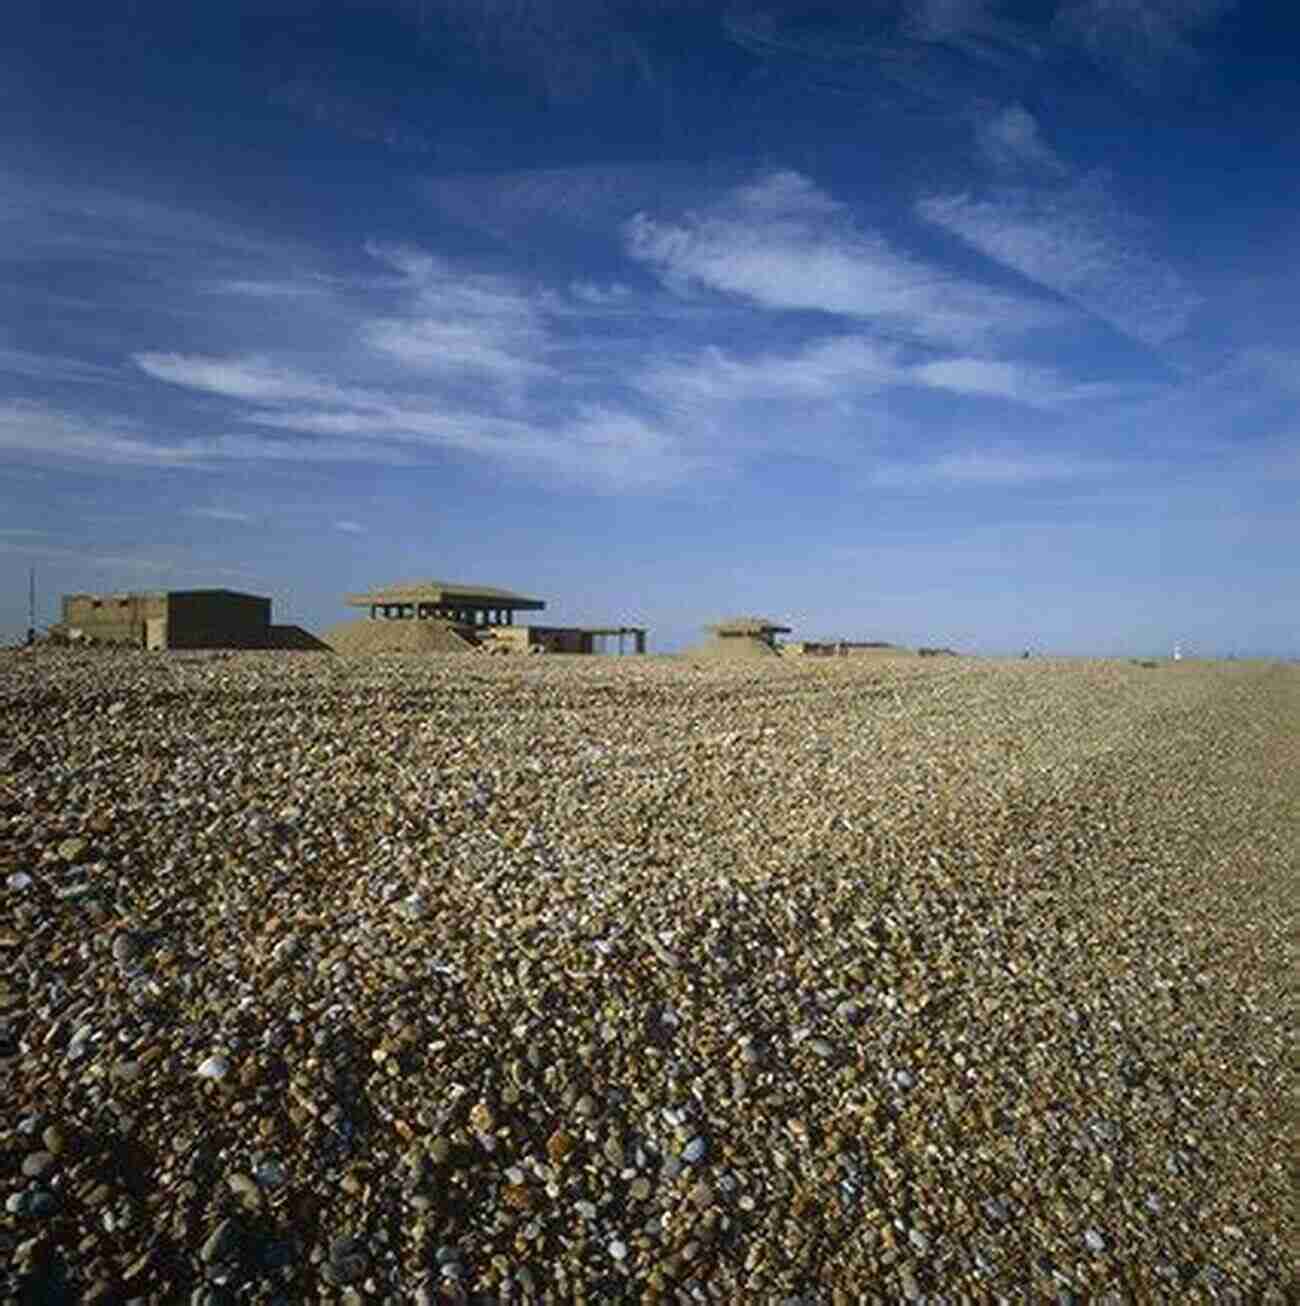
x=462, y=605
x=469, y=616
x=839, y=648
x=561, y=639
x=741, y=638
x=169, y=619
x=762, y=629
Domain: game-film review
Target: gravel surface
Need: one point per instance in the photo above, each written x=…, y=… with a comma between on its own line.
x=602, y=980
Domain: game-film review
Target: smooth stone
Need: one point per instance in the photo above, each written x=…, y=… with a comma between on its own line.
x=126, y=946
x=213, y=1067
x=821, y=1047
x=36, y=1164
x=220, y=1243
x=244, y=1186
x=694, y=1150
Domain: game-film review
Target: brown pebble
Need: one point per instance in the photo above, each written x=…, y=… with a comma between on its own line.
x=559, y=1146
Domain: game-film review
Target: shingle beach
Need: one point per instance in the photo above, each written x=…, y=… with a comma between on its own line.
x=456, y=979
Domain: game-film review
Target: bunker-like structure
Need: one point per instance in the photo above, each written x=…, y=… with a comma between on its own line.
x=167, y=619
x=473, y=606
x=437, y=616
x=742, y=638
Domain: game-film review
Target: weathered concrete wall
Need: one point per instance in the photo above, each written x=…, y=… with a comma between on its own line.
x=551, y=639
x=217, y=619
x=112, y=618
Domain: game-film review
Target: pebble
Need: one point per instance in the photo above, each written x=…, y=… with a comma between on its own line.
x=768, y=958
x=695, y=1150
x=221, y=1242
x=213, y=1067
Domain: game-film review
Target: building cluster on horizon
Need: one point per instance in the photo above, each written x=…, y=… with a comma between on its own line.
x=411, y=617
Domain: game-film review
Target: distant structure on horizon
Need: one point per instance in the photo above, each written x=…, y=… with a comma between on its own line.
x=163, y=619
x=741, y=638
x=443, y=617
x=837, y=648
x=177, y=619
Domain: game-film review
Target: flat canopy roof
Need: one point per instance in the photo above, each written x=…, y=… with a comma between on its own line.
x=749, y=626
x=445, y=594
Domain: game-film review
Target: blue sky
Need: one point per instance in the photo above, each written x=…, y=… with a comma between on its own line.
x=939, y=321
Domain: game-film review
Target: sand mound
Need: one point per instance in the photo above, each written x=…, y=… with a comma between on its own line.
x=735, y=648
x=366, y=636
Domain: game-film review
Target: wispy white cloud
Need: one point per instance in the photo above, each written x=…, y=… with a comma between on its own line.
x=908, y=56
x=52, y=367
x=259, y=380
x=458, y=322
x=48, y=434
x=1021, y=383
x=270, y=288
x=595, y=198
x=849, y=368
x=36, y=429
x=783, y=243
x=591, y=293
x=43, y=218
x=826, y=369
x=350, y=527
x=316, y=100
x=1079, y=242
x=1144, y=41
x=222, y=515
x=989, y=469
x=1011, y=141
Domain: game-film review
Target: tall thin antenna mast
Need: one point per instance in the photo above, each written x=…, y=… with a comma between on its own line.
x=31, y=606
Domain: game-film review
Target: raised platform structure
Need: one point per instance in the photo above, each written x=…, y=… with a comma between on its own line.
x=481, y=616
x=476, y=606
